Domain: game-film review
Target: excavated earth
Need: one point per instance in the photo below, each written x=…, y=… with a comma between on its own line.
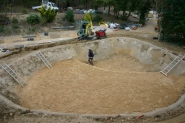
x=124, y=83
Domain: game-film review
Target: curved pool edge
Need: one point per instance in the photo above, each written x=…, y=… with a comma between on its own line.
x=178, y=106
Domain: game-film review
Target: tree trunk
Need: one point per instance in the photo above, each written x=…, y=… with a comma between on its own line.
x=86, y=4
x=12, y=2
x=117, y=15
x=128, y=15
x=114, y=12
x=68, y=4
x=92, y=3
x=3, y=4
x=123, y=13
x=109, y=10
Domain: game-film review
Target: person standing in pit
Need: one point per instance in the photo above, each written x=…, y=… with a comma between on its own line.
x=91, y=55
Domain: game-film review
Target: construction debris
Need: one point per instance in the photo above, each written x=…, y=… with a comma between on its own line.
x=46, y=33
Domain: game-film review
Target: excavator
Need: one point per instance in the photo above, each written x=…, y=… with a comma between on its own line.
x=86, y=31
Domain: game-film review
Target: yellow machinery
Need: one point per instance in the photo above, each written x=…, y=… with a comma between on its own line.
x=86, y=30
x=103, y=23
x=89, y=29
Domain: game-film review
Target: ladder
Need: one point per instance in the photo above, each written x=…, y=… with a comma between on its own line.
x=172, y=64
x=13, y=74
x=41, y=56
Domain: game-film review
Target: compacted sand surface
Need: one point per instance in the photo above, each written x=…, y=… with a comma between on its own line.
x=72, y=86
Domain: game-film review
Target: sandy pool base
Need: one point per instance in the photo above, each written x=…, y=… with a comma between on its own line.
x=72, y=86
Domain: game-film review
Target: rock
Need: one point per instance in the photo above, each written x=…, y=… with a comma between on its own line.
x=46, y=33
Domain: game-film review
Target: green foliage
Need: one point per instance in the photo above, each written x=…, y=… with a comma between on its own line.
x=4, y=20
x=15, y=26
x=88, y=17
x=14, y=20
x=97, y=4
x=43, y=21
x=173, y=22
x=47, y=15
x=128, y=6
x=33, y=19
x=63, y=3
x=24, y=11
x=110, y=3
x=84, y=3
x=69, y=16
x=27, y=3
x=143, y=9
x=97, y=18
x=123, y=17
x=2, y=28
x=32, y=29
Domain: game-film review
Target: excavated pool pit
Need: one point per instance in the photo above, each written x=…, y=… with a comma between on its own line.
x=101, y=90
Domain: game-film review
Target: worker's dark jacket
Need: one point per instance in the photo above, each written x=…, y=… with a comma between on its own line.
x=91, y=54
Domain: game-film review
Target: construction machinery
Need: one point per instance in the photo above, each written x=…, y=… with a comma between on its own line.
x=86, y=31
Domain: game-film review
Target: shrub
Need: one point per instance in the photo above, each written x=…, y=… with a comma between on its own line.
x=32, y=29
x=14, y=27
x=24, y=11
x=97, y=18
x=123, y=17
x=47, y=15
x=33, y=19
x=43, y=20
x=2, y=29
x=14, y=20
x=88, y=17
x=4, y=20
x=69, y=16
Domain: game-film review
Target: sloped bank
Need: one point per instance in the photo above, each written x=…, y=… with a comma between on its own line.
x=144, y=52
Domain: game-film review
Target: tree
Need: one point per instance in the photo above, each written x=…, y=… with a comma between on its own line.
x=97, y=4
x=117, y=4
x=173, y=22
x=128, y=6
x=47, y=15
x=84, y=2
x=123, y=6
x=63, y=3
x=88, y=17
x=108, y=3
x=69, y=16
x=143, y=8
x=132, y=5
x=6, y=5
